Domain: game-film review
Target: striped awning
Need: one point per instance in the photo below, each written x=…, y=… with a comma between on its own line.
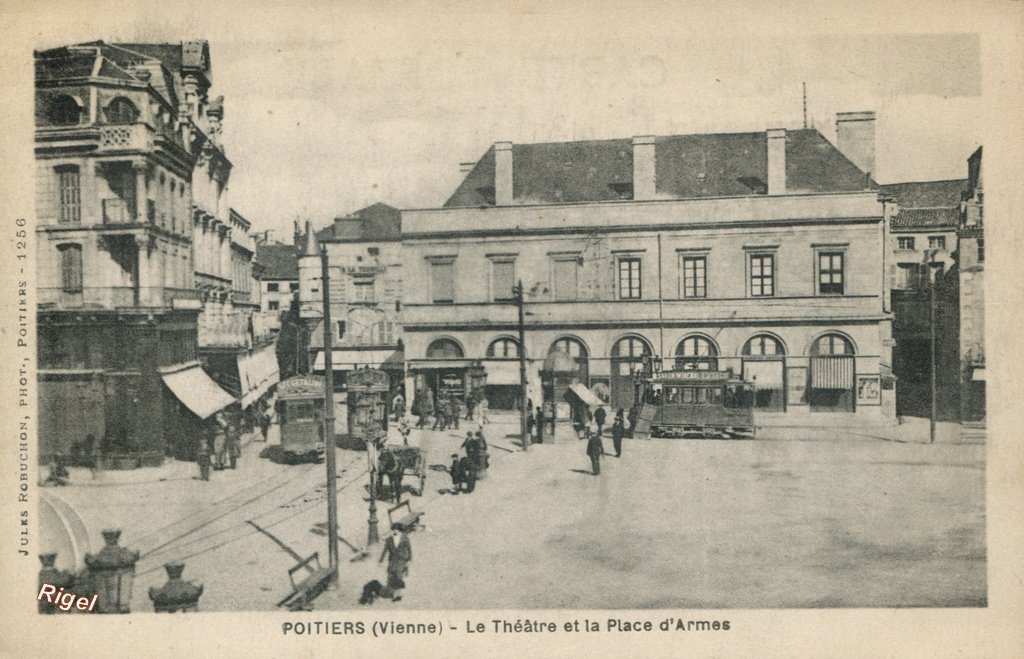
x=196, y=390
x=832, y=372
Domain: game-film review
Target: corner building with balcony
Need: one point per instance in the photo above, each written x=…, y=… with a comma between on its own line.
x=757, y=253
x=116, y=297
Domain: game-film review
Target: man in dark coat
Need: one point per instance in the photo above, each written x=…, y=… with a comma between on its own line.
x=618, y=430
x=456, y=412
x=398, y=550
x=540, y=425
x=455, y=471
x=594, y=450
x=468, y=465
x=599, y=417
x=203, y=458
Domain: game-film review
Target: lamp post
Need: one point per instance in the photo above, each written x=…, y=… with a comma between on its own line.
x=371, y=435
x=930, y=266
x=329, y=443
x=517, y=292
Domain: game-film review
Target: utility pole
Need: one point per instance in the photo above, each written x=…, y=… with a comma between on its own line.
x=517, y=291
x=931, y=326
x=329, y=445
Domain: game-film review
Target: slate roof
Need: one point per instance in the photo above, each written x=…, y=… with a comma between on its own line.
x=711, y=165
x=377, y=222
x=927, y=194
x=278, y=261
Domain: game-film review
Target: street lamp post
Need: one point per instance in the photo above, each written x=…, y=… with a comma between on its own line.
x=517, y=291
x=930, y=272
x=329, y=444
x=371, y=435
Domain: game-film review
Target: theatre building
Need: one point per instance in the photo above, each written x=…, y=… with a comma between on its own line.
x=758, y=253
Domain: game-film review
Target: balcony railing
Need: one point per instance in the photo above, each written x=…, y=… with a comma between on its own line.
x=127, y=137
x=117, y=211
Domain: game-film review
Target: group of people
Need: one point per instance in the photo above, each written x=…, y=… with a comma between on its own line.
x=223, y=450
x=447, y=412
x=465, y=470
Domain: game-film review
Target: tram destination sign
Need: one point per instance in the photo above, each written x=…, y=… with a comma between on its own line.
x=691, y=375
x=301, y=386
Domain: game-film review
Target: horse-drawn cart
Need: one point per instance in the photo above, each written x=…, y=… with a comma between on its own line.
x=397, y=461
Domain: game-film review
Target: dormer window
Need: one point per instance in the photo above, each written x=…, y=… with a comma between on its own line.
x=63, y=110
x=122, y=111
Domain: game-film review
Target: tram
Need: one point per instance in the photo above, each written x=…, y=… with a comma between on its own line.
x=300, y=413
x=688, y=403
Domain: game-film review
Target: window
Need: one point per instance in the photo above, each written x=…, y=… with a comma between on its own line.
x=696, y=353
x=363, y=290
x=63, y=110
x=273, y=287
x=503, y=279
x=763, y=345
x=71, y=267
x=936, y=242
x=832, y=344
x=981, y=250
x=694, y=276
x=68, y=186
x=442, y=282
x=909, y=275
x=629, y=278
x=565, y=272
x=762, y=275
x=830, y=273
x=373, y=251
x=122, y=111
x=444, y=349
x=503, y=347
x=273, y=305
x=293, y=286
x=575, y=349
x=905, y=242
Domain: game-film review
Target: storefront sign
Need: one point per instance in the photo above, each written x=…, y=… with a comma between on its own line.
x=868, y=390
x=676, y=376
x=796, y=385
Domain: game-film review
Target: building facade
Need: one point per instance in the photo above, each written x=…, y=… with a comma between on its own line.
x=364, y=252
x=923, y=243
x=118, y=304
x=971, y=295
x=756, y=253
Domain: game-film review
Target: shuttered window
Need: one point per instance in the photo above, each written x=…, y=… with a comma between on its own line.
x=566, y=283
x=71, y=267
x=442, y=280
x=69, y=189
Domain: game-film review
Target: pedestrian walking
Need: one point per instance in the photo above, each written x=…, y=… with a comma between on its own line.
x=203, y=458
x=265, y=424
x=540, y=425
x=234, y=445
x=398, y=406
x=530, y=423
x=599, y=417
x=484, y=408
x=398, y=551
x=594, y=450
x=471, y=400
x=634, y=414
x=618, y=430
x=404, y=430
x=456, y=411
x=455, y=471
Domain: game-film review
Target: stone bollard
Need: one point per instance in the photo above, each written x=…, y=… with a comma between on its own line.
x=177, y=594
x=49, y=574
x=111, y=573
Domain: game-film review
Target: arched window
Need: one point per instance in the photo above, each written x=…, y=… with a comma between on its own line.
x=832, y=344
x=503, y=347
x=575, y=349
x=121, y=111
x=631, y=347
x=763, y=345
x=444, y=349
x=696, y=352
x=63, y=110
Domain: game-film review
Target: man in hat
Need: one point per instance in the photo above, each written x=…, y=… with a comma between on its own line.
x=594, y=450
x=398, y=550
x=468, y=465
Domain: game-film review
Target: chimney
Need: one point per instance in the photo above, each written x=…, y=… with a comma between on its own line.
x=466, y=167
x=644, y=170
x=855, y=137
x=296, y=235
x=502, y=173
x=776, y=160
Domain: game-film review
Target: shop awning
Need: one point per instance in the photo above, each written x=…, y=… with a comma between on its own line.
x=766, y=374
x=832, y=372
x=197, y=391
x=348, y=360
x=585, y=395
x=501, y=372
x=257, y=372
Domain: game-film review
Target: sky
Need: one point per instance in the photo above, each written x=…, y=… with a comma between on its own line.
x=333, y=107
